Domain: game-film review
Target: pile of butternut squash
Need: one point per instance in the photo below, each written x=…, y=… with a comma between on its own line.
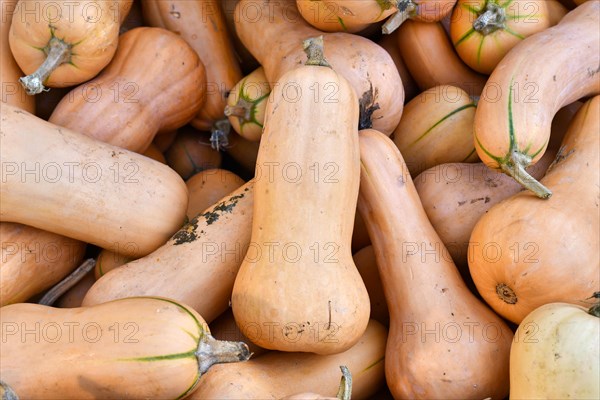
x=236, y=199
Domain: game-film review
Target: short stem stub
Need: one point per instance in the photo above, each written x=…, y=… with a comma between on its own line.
x=219, y=134
x=492, y=19
x=240, y=111
x=595, y=309
x=7, y=392
x=406, y=9
x=67, y=283
x=515, y=167
x=313, y=47
x=506, y=294
x=57, y=53
x=212, y=351
x=345, y=390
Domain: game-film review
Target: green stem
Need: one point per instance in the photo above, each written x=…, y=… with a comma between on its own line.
x=67, y=283
x=492, y=19
x=313, y=47
x=57, y=53
x=515, y=167
x=212, y=351
x=406, y=9
x=345, y=390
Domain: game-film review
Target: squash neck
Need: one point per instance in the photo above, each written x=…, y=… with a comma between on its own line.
x=57, y=52
x=491, y=19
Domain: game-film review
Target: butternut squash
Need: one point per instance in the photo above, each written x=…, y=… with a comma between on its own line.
x=246, y=105
x=207, y=187
x=64, y=182
x=436, y=128
x=197, y=266
x=522, y=246
x=483, y=31
x=33, y=260
x=455, y=196
x=434, y=318
x=12, y=91
x=389, y=43
x=350, y=16
x=432, y=61
x=274, y=35
x=247, y=61
x=135, y=91
x=108, y=260
x=309, y=279
x=202, y=25
x=276, y=374
x=531, y=84
x=191, y=152
x=62, y=43
x=131, y=348
x=367, y=267
x=344, y=391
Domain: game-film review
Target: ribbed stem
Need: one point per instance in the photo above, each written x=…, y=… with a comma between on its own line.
x=313, y=47
x=212, y=351
x=345, y=390
x=515, y=167
x=492, y=19
x=57, y=53
x=67, y=283
x=406, y=9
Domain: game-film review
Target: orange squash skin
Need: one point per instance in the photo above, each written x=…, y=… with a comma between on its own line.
x=425, y=293
x=136, y=92
x=523, y=245
x=207, y=187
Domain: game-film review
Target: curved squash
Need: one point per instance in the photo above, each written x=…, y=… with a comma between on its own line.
x=197, y=266
x=436, y=128
x=528, y=87
x=483, y=31
x=202, y=25
x=433, y=316
x=64, y=43
x=274, y=37
x=33, y=260
x=57, y=180
x=209, y=186
x=127, y=349
x=11, y=92
x=135, y=91
x=276, y=374
x=523, y=246
x=303, y=260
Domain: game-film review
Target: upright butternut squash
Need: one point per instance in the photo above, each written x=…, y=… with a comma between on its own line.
x=523, y=246
x=440, y=334
x=528, y=87
x=197, y=266
x=61, y=181
x=135, y=91
x=11, y=92
x=145, y=347
x=202, y=25
x=33, y=260
x=432, y=61
x=64, y=43
x=273, y=37
x=483, y=31
x=303, y=275
x=275, y=375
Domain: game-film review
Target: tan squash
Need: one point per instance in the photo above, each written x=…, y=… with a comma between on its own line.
x=437, y=128
x=209, y=186
x=350, y=16
x=390, y=44
x=225, y=328
x=367, y=267
x=274, y=36
x=64, y=43
x=33, y=260
x=197, y=266
x=246, y=105
x=528, y=87
x=191, y=152
x=303, y=261
x=440, y=334
x=11, y=92
x=135, y=91
x=276, y=374
x=202, y=25
x=483, y=31
x=247, y=61
x=455, y=196
x=523, y=246
x=131, y=348
x=432, y=61
x=344, y=390
x=58, y=180
x=108, y=260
